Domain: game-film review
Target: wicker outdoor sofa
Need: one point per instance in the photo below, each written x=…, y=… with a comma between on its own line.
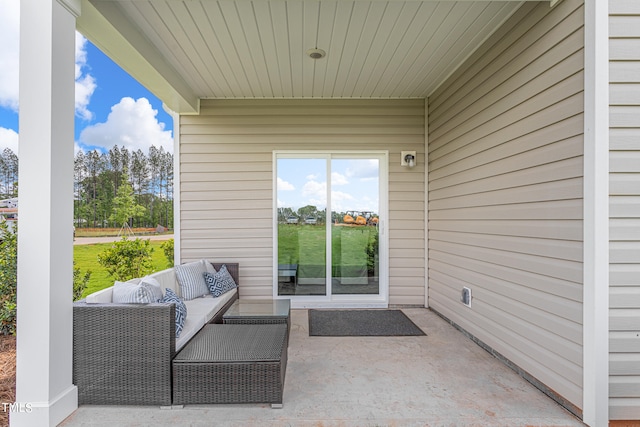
x=122, y=353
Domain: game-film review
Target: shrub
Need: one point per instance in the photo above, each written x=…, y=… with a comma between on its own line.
x=8, y=277
x=79, y=282
x=167, y=248
x=127, y=259
x=372, y=252
x=8, y=317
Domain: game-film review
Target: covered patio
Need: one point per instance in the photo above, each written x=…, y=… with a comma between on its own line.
x=503, y=106
x=441, y=379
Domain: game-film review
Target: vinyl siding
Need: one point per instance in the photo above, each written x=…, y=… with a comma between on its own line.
x=505, y=195
x=624, y=225
x=226, y=179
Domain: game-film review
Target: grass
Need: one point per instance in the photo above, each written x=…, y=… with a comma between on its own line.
x=305, y=245
x=86, y=257
x=297, y=244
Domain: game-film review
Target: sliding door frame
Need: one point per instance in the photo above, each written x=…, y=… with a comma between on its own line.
x=381, y=300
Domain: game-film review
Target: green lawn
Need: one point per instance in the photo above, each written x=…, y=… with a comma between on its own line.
x=305, y=245
x=298, y=244
x=86, y=257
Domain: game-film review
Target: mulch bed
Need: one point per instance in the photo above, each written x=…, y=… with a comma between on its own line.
x=7, y=375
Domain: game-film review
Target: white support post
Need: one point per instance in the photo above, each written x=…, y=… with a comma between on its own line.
x=596, y=215
x=45, y=233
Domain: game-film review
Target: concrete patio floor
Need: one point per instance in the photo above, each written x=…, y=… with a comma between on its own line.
x=441, y=379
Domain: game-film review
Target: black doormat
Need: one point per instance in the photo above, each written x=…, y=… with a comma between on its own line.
x=349, y=323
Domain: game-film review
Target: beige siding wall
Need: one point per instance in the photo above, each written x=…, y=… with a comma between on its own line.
x=226, y=179
x=624, y=51
x=505, y=194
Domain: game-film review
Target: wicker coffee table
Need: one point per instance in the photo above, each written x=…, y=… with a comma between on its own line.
x=232, y=364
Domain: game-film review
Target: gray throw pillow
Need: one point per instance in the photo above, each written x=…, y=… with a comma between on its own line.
x=136, y=291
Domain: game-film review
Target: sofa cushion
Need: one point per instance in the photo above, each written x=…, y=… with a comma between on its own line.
x=137, y=291
x=156, y=285
x=220, y=282
x=105, y=296
x=181, y=309
x=167, y=279
x=191, y=279
x=201, y=311
x=209, y=267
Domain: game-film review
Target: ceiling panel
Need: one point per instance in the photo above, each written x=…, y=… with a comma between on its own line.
x=256, y=49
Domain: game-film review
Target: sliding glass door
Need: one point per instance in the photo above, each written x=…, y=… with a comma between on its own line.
x=330, y=215
x=301, y=236
x=355, y=214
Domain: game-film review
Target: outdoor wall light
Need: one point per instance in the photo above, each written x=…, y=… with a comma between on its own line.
x=408, y=158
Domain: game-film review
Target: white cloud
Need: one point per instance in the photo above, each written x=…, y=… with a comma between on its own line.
x=85, y=83
x=76, y=148
x=314, y=188
x=364, y=170
x=132, y=124
x=8, y=139
x=9, y=65
x=341, y=201
x=284, y=185
x=316, y=193
x=338, y=179
x=9, y=52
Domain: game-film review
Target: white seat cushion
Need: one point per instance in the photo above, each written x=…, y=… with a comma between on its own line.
x=104, y=296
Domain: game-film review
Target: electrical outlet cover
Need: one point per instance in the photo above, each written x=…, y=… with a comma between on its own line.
x=465, y=296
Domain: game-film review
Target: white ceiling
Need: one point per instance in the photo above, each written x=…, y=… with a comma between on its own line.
x=184, y=50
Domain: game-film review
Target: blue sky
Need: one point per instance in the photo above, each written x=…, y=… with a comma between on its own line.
x=354, y=184
x=111, y=107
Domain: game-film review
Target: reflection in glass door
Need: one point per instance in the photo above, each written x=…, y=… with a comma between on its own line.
x=332, y=255
x=301, y=194
x=354, y=226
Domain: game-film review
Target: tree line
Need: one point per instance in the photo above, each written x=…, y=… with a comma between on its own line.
x=8, y=174
x=98, y=176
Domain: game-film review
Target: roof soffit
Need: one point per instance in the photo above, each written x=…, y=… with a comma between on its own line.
x=186, y=50
x=107, y=28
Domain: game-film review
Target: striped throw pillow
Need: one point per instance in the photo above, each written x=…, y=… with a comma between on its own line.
x=191, y=280
x=136, y=291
